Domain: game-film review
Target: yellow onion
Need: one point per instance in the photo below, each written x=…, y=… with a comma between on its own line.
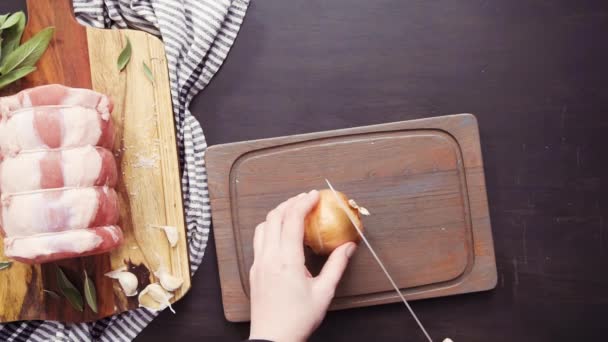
x=327, y=226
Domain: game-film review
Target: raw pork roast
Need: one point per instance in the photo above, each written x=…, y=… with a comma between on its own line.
x=57, y=174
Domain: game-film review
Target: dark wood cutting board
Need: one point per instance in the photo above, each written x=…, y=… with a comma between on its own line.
x=422, y=180
x=149, y=194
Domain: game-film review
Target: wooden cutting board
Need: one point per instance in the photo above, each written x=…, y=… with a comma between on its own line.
x=422, y=181
x=149, y=184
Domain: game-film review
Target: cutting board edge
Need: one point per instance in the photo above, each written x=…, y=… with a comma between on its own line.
x=339, y=132
x=241, y=313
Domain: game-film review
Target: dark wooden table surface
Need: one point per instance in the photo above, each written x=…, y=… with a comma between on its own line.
x=535, y=74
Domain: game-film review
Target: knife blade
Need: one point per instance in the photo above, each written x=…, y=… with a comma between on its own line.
x=369, y=246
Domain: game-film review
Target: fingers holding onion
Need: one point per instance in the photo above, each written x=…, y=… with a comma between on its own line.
x=327, y=226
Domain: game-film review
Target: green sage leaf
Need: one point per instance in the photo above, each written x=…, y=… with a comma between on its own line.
x=14, y=75
x=148, y=72
x=5, y=264
x=11, y=21
x=68, y=290
x=3, y=18
x=29, y=52
x=12, y=37
x=89, y=292
x=51, y=293
x=124, y=57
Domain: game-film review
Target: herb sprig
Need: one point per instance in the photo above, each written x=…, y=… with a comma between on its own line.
x=17, y=61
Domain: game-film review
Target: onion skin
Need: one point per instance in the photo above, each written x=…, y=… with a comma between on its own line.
x=327, y=226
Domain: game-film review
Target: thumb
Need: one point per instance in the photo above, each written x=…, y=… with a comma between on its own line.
x=327, y=281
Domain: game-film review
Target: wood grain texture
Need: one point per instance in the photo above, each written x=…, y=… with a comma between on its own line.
x=149, y=187
x=67, y=56
x=149, y=183
x=423, y=181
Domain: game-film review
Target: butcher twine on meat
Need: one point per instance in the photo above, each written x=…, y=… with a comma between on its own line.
x=56, y=177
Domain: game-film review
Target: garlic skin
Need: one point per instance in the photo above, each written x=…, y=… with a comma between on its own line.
x=361, y=210
x=115, y=272
x=170, y=233
x=127, y=280
x=155, y=298
x=168, y=281
x=327, y=226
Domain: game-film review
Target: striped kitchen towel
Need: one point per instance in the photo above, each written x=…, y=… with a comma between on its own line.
x=197, y=35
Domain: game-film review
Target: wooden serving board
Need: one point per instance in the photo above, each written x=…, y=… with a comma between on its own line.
x=149, y=183
x=422, y=181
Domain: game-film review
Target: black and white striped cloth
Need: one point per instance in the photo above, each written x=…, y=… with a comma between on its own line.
x=197, y=35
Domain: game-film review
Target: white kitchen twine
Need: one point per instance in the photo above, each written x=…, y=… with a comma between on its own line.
x=197, y=34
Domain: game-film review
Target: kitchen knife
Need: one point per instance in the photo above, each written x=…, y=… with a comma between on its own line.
x=352, y=220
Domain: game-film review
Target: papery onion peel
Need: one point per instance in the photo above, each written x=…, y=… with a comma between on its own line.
x=327, y=226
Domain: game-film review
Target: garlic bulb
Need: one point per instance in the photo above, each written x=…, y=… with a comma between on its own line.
x=327, y=226
x=155, y=298
x=170, y=232
x=168, y=281
x=127, y=280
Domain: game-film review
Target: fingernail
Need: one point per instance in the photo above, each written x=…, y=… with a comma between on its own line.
x=350, y=250
x=313, y=192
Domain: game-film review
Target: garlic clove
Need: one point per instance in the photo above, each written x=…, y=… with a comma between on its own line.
x=170, y=232
x=127, y=280
x=155, y=298
x=168, y=281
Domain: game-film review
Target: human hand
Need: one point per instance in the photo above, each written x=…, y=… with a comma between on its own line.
x=287, y=303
